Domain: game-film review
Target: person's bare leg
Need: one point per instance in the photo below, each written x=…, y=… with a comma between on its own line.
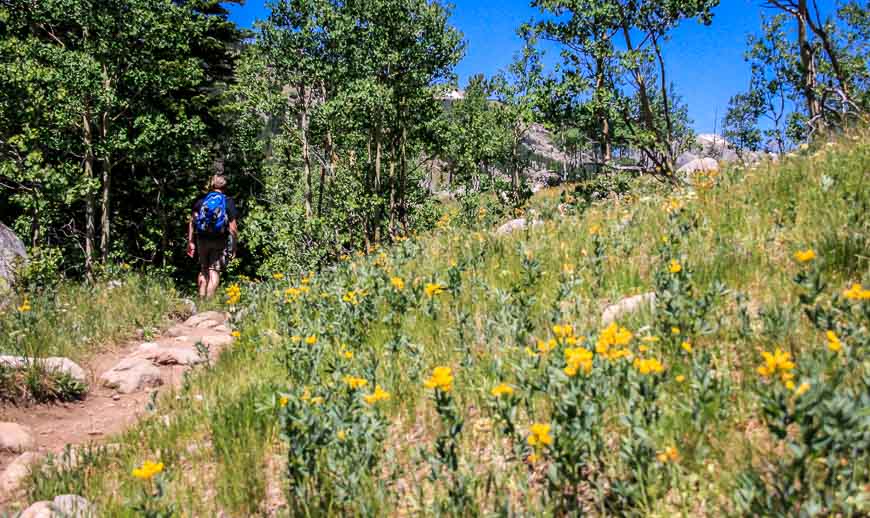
x=202, y=284
x=214, y=278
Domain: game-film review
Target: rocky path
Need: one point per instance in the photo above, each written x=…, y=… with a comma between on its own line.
x=120, y=385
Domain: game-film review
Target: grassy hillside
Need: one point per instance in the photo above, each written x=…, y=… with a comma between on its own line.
x=467, y=373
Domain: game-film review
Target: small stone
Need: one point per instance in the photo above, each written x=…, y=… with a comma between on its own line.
x=15, y=437
x=132, y=374
x=72, y=506
x=116, y=397
x=16, y=472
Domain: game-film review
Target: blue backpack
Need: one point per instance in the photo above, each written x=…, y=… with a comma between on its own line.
x=212, y=216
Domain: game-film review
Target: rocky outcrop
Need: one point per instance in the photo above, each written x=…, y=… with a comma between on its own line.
x=67, y=506
x=131, y=375
x=15, y=438
x=699, y=165
x=12, y=252
x=17, y=471
x=514, y=225
x=162, y=355
x=53, y=365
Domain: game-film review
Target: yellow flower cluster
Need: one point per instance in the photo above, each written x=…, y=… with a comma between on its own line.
x=355, y=383
x=805, y=256
x=278, y=276
x=545, y=347
x=291, y=294
x=648, y=366
x=441, y=379
x=502, y=389
x=148, y=470
x=378, y=395
x=25, y=306
x=675, y=266
x=433, y=288
x=306, y=396
x=857, y=292
x=539, y=435
x=234, y=294
x=398, y=283
x=834, y=343
x=284, y=401
x=669, y=454
x=612, y=341
x=687, y=346
x=778, y=362
x=577, y=359
x=353, y=297
x=673, y=205
x=311, y=340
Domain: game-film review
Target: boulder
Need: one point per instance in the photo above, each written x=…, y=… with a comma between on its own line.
x=699, y=165
x=169, y=355
x=627, y=306
x=132, y=374
x=514, y=225
x=217, y=316
x=40, y=509
x=72, y=506
x=17, y=471
x=12, y=251
x=52, y=364
x=15, y=437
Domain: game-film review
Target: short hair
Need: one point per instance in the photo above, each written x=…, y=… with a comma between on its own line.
x=218, y=181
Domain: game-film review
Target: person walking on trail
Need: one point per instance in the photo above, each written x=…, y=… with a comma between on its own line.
x=212, y=234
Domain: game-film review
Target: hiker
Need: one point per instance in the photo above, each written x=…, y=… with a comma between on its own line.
x=213, y=222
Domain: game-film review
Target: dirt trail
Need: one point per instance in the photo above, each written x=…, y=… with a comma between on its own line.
x=106, y=412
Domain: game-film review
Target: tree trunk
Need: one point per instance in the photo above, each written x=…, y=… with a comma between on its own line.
x=306, y=151
x=602, y=113
x=105, y=230
x=89, y=196
x=808, y=66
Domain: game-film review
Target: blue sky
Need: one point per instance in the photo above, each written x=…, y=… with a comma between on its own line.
x=705, y=63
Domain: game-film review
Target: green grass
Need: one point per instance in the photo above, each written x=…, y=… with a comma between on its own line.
x=505, y=293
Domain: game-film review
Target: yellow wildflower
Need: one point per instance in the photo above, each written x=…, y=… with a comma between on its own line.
x=648, y=366
x=25, y=306
x=441, y=379
x=148, y=470
x=278, y=276
x=643, y=348
x=650, y=339
x=805, y=256
x=680, y=378
x=687, y=346
x=283, y=401
x=857, y=292
x=539, y=435
x=563, y=331
x=234, y=294
x=613, y=336
x=777, y=362
x=576, y=359
x=398, y=283
x=834, y=343
x=802, y=389
x=530, y=353
x=502, y=390
x=433, y=288
x=295, y=339
x=378, y=395
x=545, y=347
x=594, y=230
x=346, y=354
x=669, y=454
x=675, y=330
x=354, y=382
x=311, y=340
x=341, y=435
x=675, y=266
x=236, y=334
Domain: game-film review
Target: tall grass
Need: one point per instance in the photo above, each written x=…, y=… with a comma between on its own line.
x=685, y=451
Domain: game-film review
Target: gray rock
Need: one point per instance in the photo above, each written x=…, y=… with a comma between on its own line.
x=195, y=320
x=514, y=225
x=52, y=364
x=170, y=355
x=698, y=165
x=12, y=251
x=132, y=374
x=15, y=437
x=72, y=506
x=40, y=509
x=16, y=472
x=627, y=306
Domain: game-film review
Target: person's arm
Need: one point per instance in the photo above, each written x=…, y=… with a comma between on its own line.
x=191, y=245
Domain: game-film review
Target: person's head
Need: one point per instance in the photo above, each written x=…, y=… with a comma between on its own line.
x=218, y=182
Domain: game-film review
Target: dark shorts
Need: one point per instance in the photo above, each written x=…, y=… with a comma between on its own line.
x=213, y=254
